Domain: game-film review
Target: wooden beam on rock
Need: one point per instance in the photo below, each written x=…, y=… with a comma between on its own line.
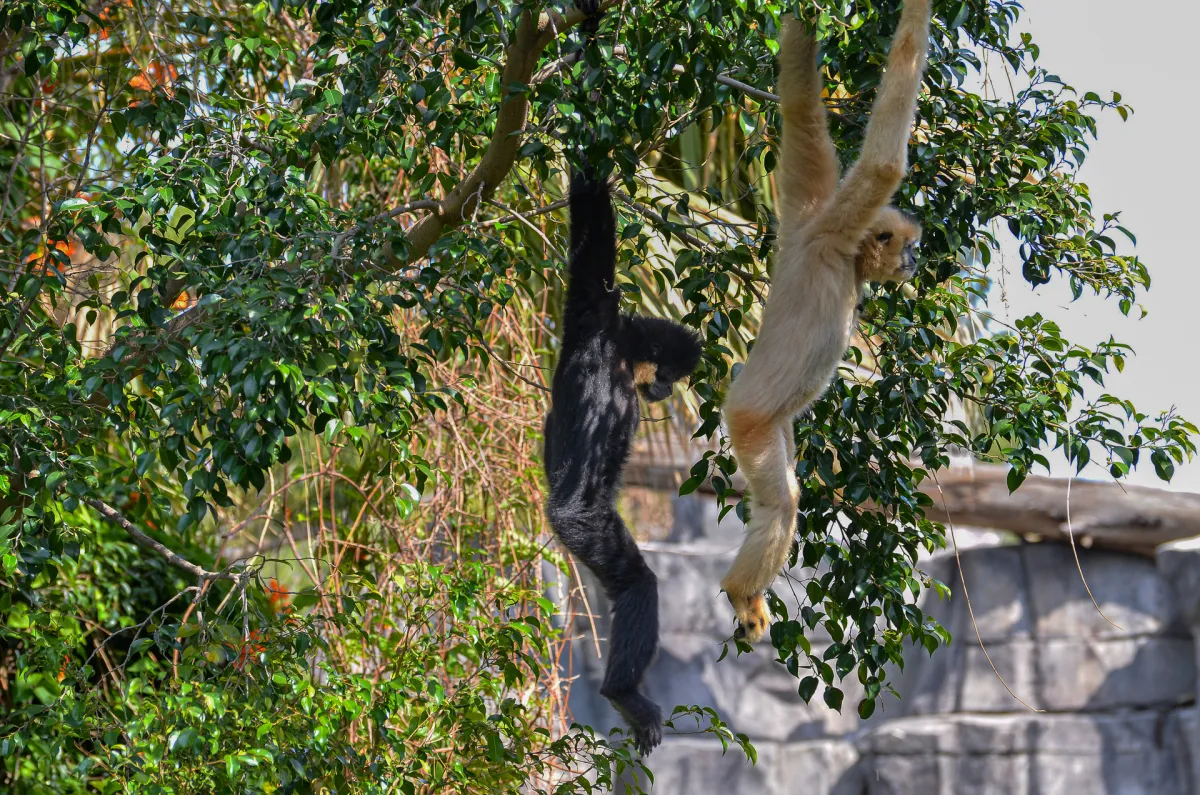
x=1104, y=514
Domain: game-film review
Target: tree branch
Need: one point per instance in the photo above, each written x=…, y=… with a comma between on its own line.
x=1104, y=514
x=514, y=216
x=567, y=61
x=525, y=220
x=745, y=88
x=146, y=542
x=532, y=37
x=423, y=204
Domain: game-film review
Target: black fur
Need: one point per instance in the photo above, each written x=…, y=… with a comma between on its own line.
x=589, y=432
x=591, y=23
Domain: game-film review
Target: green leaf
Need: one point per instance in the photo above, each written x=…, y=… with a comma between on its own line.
x=808, y=688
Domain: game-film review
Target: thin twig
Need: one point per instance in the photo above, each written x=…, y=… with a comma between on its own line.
x=146, y=542
x=586, y=606
x=746, y=276
x=509, y=367
x=1075, y=551
x=567, y=61
x=422, y=204
x=523, y=219
x=745, y=88
x=513, y=216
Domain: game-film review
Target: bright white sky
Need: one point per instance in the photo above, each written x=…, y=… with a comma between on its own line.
x=1146, y=168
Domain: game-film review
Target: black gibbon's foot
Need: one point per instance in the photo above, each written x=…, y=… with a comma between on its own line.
x=644, y=718
x=752, y=616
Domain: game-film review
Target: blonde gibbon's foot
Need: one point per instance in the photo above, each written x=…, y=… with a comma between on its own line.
x=752, y=616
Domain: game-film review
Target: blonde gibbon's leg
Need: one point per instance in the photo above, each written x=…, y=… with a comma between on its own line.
x=808, y=169
x=884, y=158
x=804, y=333
x=765, y=452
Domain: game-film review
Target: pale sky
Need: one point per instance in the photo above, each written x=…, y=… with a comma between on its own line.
x=1145, y=168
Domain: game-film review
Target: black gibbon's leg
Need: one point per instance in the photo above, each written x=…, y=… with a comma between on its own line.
x=599, y=539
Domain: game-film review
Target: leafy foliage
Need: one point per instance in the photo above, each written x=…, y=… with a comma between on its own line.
x=276, y=297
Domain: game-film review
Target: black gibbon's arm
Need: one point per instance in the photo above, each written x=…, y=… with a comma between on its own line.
x=593, y=298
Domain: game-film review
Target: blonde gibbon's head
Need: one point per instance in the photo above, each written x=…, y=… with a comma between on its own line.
x=888, y=252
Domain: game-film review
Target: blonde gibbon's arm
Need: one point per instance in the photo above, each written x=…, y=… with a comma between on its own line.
x=884, y=158
x=808, y=170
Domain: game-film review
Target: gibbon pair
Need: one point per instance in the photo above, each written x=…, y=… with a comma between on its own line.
x=831, y=239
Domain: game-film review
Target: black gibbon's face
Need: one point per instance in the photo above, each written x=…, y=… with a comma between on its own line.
x=661, y=352
x=888, y=252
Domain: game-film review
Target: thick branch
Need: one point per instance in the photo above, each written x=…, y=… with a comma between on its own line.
x=1110, y=514
x=466, y=197
x=146, y=542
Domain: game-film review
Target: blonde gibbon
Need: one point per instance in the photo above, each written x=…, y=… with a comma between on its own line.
x=832, y=238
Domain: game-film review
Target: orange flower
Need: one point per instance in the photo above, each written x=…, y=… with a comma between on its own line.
x=281, y=600
x=162, y=72
x=42, y=259
x=248, y=650
x=156, y=74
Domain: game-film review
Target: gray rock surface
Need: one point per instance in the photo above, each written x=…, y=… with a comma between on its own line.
x=700, y=765
x=1118, y=702
x=1028, y=754
x=751, y=692
x=1046, y=638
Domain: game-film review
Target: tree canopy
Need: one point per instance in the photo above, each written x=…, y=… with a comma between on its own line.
x=278, y=288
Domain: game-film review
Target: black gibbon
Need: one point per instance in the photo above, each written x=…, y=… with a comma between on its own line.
x=607, y=358
x=832, y=238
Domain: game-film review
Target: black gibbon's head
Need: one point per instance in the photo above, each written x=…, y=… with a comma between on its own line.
x=888, y=252
x=661, y=352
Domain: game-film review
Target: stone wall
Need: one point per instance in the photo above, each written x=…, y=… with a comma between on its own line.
x=1115, y=699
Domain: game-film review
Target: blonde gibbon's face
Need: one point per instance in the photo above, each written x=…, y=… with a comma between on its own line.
x=888, y=252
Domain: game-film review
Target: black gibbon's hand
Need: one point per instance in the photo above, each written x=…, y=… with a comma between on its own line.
x=592, y=9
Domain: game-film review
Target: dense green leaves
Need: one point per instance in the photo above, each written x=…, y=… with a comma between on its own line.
x=277, y=283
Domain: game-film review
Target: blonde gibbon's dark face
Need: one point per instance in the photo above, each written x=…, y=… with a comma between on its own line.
x=888, y=252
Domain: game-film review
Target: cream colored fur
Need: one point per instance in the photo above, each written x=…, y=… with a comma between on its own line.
x=832, y=238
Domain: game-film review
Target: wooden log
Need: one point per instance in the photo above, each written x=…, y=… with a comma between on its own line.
x=1104, y=514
